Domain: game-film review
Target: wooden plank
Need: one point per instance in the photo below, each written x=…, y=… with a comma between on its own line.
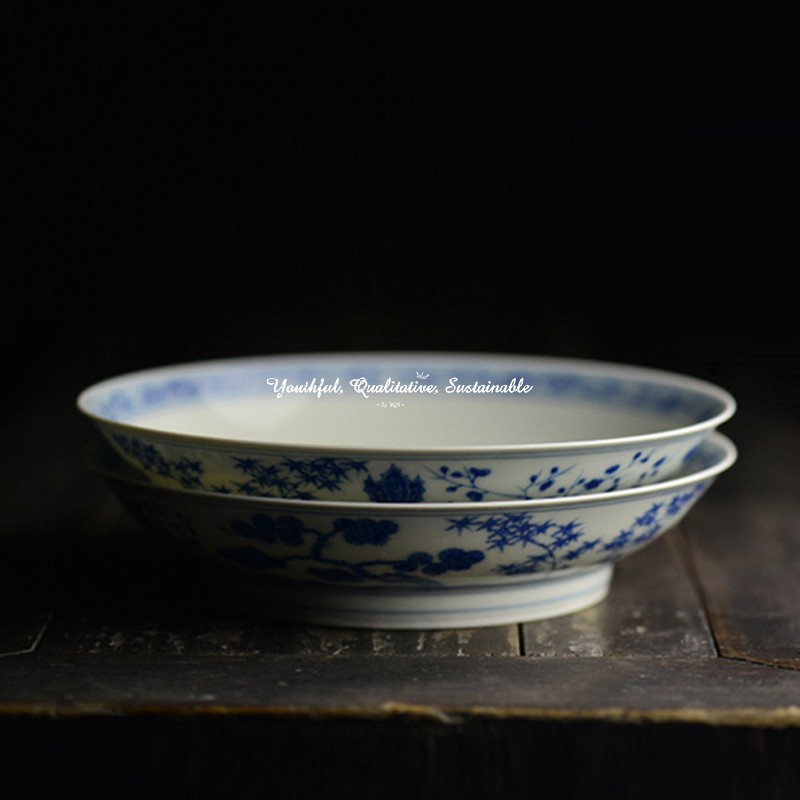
x=747, y=552
x=397, y=757
x=712, y=691
x=651, y=610
x=171, y=634
x=503, y=640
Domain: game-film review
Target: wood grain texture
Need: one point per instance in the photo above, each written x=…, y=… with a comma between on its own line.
x=134, y=756
x=173, y=635
x=698, y=691
x=652, y=609
x=747, y=560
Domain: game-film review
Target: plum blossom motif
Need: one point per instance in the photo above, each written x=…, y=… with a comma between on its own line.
x=646, y=526
x=554, y=481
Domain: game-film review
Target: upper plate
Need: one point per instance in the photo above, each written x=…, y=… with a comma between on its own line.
x=406, y=427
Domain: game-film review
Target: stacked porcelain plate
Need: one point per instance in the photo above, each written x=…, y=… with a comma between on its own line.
x=411, y=490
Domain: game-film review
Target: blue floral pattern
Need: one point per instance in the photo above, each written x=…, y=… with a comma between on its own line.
x=556, y=545
x=394, y=486
x=312, y=548
x=188, y=473
x=294, y=477
x=554, y=481
x=309, y=479
x=535, y=542
x=123, y=410
x=290, y=477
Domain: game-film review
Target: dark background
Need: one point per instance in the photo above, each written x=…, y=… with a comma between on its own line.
x=609, y=181
x=605, y=181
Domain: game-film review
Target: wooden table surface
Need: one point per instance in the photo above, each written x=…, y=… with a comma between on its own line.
x=121, y=672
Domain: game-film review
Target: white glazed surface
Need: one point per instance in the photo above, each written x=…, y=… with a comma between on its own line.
x=420, y=423
x=422, y=565
x=236, y=426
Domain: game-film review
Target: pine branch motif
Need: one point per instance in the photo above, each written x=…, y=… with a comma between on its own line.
x=311, y=548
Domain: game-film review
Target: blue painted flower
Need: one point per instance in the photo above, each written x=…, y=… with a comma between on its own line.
x=365, y=531
x=454, y=559
x=394, y=486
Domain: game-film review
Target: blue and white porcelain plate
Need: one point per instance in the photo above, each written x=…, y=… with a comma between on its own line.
x=406, y=427
x=420, y=565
